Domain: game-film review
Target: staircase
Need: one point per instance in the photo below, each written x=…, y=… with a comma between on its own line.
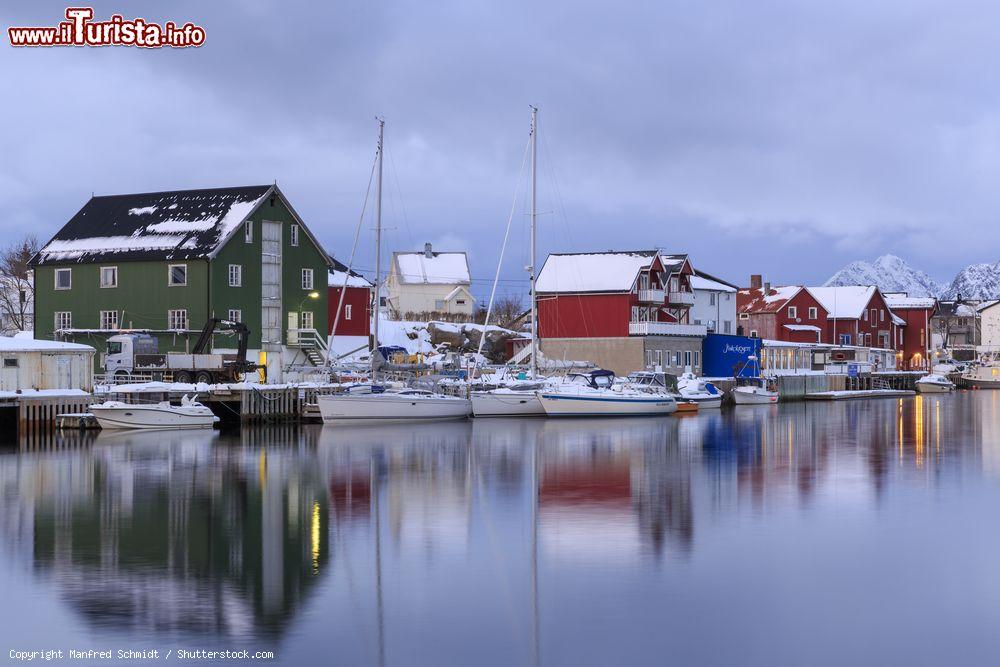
x=311, y=343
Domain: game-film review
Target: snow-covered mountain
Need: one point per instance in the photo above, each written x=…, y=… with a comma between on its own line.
x=976, y=281
x=890, y=273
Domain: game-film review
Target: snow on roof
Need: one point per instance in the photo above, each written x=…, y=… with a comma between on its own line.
x=987, y=304
x=336, y=279
x=673, y=263
x=441, y=268
x=846, y=302
x=698, y=282
x=755, y=301
x=801, y=327
x=592, y=272
x=897, y=320
x=902, y=301
x=183, y=224
x=19, y=344
x=455, y=292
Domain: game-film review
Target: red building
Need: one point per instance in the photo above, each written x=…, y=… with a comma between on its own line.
x=859, y=315
x=917, y=313
x=355, y=317
x=789, y=313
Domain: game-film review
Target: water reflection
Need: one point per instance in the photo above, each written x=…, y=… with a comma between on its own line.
x=382, y=541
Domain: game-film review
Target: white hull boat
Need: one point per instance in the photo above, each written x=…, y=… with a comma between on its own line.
x=402, y=406
x=506, y=403
x=934, y=384
x=117, y=415
x=983, y=377
x=606, y=403
x=754, y=395
x=702, y=392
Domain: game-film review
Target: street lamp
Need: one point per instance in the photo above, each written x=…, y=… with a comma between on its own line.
x=311, y=295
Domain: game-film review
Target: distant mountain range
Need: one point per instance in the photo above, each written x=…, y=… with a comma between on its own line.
x=892, y=274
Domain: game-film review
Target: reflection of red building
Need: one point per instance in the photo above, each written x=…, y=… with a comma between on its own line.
x=917, y=313
x=355, y=318
x=350, y=495
x=594, y=482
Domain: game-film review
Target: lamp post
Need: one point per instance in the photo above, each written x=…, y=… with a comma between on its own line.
x=311, y=295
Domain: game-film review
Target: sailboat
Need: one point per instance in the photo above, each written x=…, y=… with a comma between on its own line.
x=374, y=403
x=519, y=399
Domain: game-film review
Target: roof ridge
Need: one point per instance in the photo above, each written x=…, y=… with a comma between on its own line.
x=172, y=192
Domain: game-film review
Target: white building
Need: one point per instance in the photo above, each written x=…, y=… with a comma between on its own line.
x=714, y=303
x=28, y=365
x=429, y=281
x=989, y=326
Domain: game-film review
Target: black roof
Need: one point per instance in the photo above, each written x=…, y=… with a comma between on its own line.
x=181, y=224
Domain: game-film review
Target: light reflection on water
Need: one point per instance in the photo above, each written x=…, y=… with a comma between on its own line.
x=861, y=532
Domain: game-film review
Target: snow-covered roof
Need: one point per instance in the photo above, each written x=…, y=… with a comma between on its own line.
x=897, y=320
x=673, y=263
x=847, y=302
x=19, y=344
x=592, y=272
x=802, y=327
x=183, y=224
x=336, y=279
x=902, y=301
x=756, y=301
x=987, y=304
x=698, y=282
x=441, y=268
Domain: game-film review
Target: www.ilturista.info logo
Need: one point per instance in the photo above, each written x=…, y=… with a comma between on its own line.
x=80, y=30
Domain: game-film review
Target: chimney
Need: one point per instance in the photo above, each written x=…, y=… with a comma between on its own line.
x=428, y=253
x=755, y=279
x=767, y=288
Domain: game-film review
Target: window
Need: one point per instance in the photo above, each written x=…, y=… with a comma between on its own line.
x=347, y=312
x=177, y=275
x=64, y=320
x=845, y=339
x=677, y=358
x=793, y=312
x=813, y=313
x=744, y=316
x=235, y=275
x=864, y=315
x=439, y=304
x=109, y=276
x=697, y=321
x=10, y=362
x=460, y=302
x=64, y=278
x=248, y=231
x=687, y=357
x=235, y=315
x=307, y=320
x=294, y=231
x=109, y=320
x=665, y=355
x=727, y=326
x=643, y=281
x=697, y=358
x=753, y=333
x=307, y=278
x=711, y=298
x=674, y=285
x=177, y=320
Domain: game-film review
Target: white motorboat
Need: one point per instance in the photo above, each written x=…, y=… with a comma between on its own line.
x=368, y=404
x=934, y=384
x=699, y=390
x=118, y=415
x=595, y=394
x=514, y=401
x=986, y=376
x=754, y=394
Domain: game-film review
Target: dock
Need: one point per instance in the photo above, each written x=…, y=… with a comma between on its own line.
x=849, y=394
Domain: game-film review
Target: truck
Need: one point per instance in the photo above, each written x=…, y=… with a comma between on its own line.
x=137, y=352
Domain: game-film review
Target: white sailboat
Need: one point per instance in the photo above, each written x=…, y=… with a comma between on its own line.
x=374, y=403
x=595, y=394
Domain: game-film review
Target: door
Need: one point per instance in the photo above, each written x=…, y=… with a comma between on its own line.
x=270, y=257
x=293, y=328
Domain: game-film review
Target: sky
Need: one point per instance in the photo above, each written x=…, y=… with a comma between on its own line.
x=779, y=137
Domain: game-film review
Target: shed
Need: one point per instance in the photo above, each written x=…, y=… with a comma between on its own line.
x=29, y=364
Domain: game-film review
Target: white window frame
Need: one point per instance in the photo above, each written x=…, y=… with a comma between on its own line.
x=55, y=279
x=307, y=319
x=236, y=271
x=307, y=284
x=235, y=315
x=753, y=333
x=58, y=317
x=711, y=298
x=170, y=275
x=114, y=283
x=813, y=312
x=347, y=312
x=688, y=358
x=172, y=319
x=439, y=305
x=793, y=312
x=293, y=231
x=248, y=231
x=109, y=320
x=881, y=315
x=727, y=326
x=744, y=316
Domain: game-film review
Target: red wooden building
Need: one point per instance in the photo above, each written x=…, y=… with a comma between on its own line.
x=355, y=318
x=859, y=315
x=917, y=313
x=789, y=313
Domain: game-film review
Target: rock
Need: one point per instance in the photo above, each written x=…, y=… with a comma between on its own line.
x=447, y=334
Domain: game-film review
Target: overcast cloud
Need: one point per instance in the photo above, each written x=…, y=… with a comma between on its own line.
x=778, y=137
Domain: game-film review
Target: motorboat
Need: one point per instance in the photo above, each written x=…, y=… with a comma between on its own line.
x=372, y=403
x=934, y=383
x=699, y=390
x=189, y=414
x=986, y=376
x=595, y=394
x=755, y=393
x=517, y=400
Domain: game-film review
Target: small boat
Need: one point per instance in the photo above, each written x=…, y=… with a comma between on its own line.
x=986, y=376
x=372, y=403
x=934, y=384
x=594, y=394
x=189, y=414
x=699, y=390
x=754, y=394
x=687, y=407
x=520, y=400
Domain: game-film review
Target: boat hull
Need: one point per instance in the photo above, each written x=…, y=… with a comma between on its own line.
x=151, y=417
x=928, y=388
x=753, y=398
x=569, y=405
x=713, y=403
x=506, y=404
x=382, y=408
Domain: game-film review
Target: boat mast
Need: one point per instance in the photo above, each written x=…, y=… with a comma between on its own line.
x=534, y=215
x=378, y=249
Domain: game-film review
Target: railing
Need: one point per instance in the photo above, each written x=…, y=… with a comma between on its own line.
x=665, y=329
x=306, y=338
x=652, y=295
x=680, y=298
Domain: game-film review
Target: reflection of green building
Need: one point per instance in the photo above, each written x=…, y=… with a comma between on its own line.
x=164, y=543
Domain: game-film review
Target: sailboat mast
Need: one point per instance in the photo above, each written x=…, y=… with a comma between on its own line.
x=378, y=248
x=534, y=215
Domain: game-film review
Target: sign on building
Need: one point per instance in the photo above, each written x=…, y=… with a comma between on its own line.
x=725, y=356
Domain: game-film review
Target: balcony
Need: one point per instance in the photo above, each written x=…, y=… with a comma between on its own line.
x=681, y=299
x=651, y=296
x=665, y=329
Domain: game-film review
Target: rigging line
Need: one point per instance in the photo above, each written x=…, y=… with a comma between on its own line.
x=399, y=193
x=350, y=263
x=503, y=248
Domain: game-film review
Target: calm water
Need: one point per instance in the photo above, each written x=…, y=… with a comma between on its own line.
x=854, y=533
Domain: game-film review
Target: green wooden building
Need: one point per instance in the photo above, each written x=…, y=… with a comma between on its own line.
x=164, y=262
